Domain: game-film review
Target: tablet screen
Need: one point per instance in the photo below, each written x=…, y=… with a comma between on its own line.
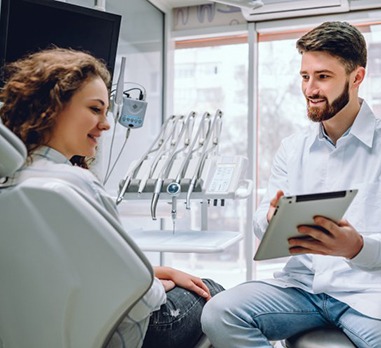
x=293, y=211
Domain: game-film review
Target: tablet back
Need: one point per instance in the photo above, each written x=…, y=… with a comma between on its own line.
x=293, y=211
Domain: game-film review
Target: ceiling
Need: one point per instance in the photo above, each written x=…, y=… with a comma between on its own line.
x=178, y=3
x=169, y=4
x=183, y=3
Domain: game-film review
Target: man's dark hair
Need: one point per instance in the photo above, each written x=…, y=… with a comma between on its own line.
x=340, y=39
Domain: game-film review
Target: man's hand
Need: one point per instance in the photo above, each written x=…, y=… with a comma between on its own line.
x=273, y=204
x=327, y=238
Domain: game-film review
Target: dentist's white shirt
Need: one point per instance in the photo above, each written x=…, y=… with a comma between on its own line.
x=50, y=163
x=308, y=162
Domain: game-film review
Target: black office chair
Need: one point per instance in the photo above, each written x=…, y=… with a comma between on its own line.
x=320, y=338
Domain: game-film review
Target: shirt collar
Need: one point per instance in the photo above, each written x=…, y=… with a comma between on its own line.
x=362, y=127
x=50, y=154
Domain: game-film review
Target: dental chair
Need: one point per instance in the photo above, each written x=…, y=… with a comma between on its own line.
x=68, y=271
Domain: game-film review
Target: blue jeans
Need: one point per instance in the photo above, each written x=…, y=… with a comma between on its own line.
x=177, y=323
x=254, y=313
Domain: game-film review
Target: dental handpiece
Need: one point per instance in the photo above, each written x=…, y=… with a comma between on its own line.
x=155, y=197
x=174, y=189
x=122, y=192
x=166, y=167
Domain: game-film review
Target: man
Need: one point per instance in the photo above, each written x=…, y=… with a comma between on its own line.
x=335, y=278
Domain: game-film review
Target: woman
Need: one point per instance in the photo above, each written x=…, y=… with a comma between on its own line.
x=57, y=101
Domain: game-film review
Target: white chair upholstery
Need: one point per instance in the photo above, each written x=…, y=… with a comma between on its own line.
x=203, y=343
x=68, y=271
x=12, y=152
x=320, y=338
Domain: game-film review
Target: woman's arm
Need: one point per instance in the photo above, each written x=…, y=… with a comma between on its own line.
x=171, y=277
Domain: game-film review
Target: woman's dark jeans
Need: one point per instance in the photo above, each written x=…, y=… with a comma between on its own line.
x=177, y=323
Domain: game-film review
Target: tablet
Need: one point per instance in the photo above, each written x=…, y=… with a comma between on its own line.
x=293, y=211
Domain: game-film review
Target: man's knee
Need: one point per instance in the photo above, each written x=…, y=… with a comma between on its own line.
x=213, y=309
x=213, y=287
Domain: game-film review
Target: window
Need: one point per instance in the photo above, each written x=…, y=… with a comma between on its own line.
x=206, y=79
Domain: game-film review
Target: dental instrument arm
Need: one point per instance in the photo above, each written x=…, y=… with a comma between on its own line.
x=160, y=153
x=134, y=170
x=166, y=166
x=205, y=119
x=171, y=157
x=118, y=99
x=201, y=161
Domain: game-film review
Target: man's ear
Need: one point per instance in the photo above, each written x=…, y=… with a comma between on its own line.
x=358, y=76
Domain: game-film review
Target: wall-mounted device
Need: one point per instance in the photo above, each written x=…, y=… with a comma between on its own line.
x=128, y=111
x=31, y=25
x=133, y=112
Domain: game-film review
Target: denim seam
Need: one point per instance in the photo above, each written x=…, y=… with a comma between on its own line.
x=287, y=313
x=179, y=317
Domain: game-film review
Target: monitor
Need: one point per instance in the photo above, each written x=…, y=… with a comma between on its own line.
x=27, y=26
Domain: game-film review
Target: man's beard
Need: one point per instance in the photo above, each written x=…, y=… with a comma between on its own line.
x=316, y=114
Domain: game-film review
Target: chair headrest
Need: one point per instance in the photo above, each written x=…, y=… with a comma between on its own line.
x=12, y=152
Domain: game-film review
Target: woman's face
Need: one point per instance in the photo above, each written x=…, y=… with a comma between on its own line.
x=82, y=121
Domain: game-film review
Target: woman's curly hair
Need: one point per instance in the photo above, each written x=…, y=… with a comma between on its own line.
x=38, y=86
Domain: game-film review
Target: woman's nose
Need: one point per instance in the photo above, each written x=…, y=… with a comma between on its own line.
x=104, y=124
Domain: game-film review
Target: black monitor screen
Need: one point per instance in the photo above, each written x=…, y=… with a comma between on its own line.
x=30, y=25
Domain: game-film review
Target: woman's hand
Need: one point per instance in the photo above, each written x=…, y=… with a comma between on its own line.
x=171, y=277
x=167, y=284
